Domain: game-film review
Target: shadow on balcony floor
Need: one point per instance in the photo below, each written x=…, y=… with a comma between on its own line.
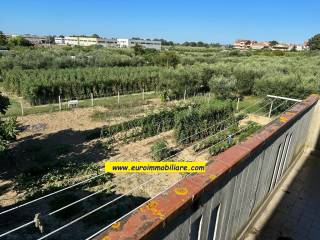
x=294, y=211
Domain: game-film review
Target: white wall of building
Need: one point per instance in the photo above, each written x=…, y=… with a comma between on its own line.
x=59, y=40
x=146, y=44
x=123, y=43
x=105, y=42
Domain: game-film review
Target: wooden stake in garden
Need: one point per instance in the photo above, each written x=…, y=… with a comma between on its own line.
x=60, y=107
x=238, y=104
x=143, y=94
x=91, y=94
x=270, y=111
x=118, y=97
x=21, y=104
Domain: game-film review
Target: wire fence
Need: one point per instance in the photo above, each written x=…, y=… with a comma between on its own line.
x=20, y=107
x=82, y=199
x=108, y=203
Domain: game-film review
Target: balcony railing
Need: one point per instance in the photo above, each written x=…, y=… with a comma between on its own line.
x=219, y=203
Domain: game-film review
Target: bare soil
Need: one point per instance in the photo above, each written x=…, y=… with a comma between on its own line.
x=258, y=119
x=70, y=127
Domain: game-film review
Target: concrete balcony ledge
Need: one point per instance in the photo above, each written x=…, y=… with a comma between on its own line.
x=219, y=203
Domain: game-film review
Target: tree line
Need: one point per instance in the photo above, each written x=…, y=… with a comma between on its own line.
x=295, y=76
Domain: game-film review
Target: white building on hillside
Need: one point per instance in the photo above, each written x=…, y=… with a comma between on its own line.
x=59, y=40
x=123, y=43
x=126, y=43
x=107, y=42
x=81, y=41
x=77, y=41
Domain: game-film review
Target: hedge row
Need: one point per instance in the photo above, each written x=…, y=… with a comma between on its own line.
x=44, y=86
x=198, y=123
x=150, y=125
x=190, y=123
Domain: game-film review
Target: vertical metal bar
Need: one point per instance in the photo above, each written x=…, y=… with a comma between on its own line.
x=270, y=111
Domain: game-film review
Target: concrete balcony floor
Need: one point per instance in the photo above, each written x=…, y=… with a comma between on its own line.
x=293, y=213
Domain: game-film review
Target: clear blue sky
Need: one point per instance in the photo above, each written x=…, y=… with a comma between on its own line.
x=177, y=20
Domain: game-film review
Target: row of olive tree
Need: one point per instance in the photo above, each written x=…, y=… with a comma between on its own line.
x=291, y=76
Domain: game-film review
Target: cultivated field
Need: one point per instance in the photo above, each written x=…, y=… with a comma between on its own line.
x=151, y=106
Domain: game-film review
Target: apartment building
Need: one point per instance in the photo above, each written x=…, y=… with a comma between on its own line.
x=282, y=47
x=243, y=44
x=125, y=43
x=260, y=45
x=107, y=42
x=59, y=40
x=80, y=41
x=33, y=39
x=254, y=45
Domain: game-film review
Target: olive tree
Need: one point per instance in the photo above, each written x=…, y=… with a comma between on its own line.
x=314, y=42
x=223, y=87
x=7, y=127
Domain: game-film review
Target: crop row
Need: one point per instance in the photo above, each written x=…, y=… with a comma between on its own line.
x=190, y=123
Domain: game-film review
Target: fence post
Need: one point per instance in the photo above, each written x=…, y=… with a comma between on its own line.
x=91, y=94
x=270, y=111
x=184, y=95
x=22, y=112
x=238, y=102
x=118, y=97
x=143, y=94
x=60, y=107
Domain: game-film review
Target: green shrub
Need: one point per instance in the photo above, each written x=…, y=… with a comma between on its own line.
x=160, y=150
x=224, y=87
